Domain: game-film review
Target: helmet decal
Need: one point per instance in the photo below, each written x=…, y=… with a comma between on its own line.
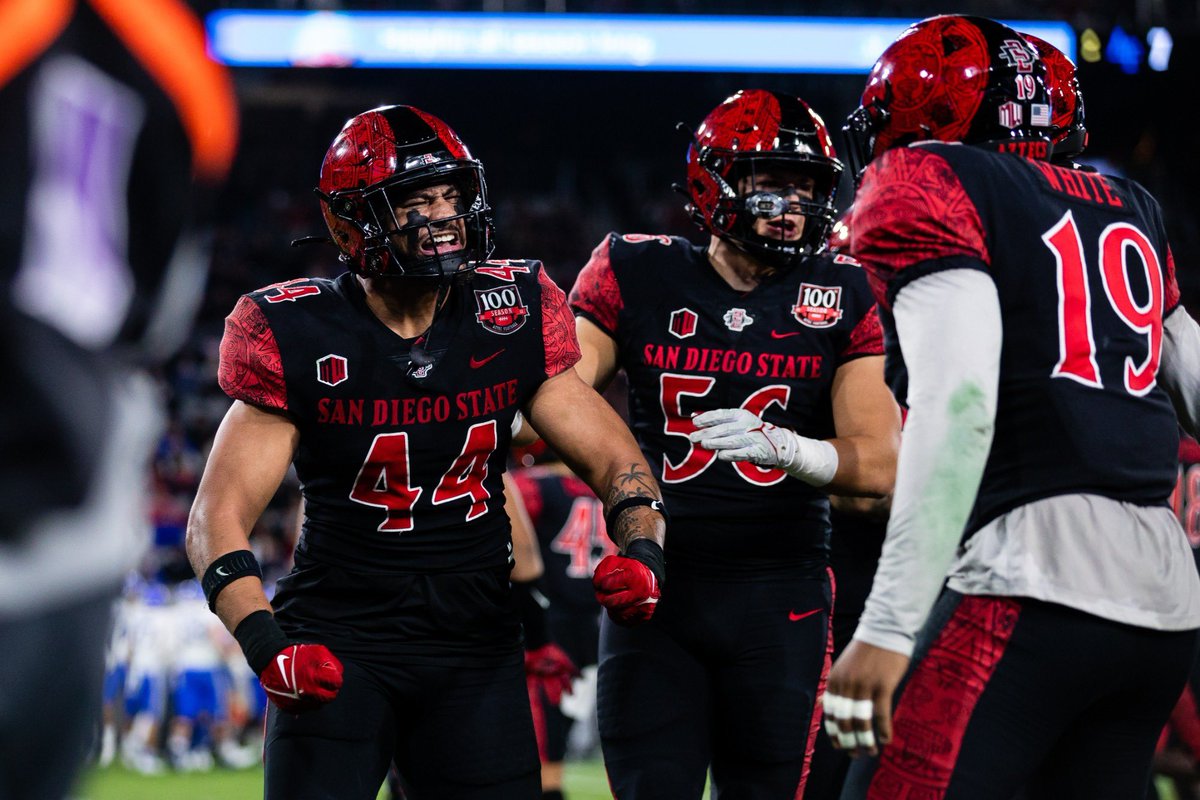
x=953, y=78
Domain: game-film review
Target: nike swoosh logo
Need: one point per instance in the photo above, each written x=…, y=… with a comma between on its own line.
x=222, y=572
x=777, y=335
x=794, y=617
x=476, y=363
x=281, y=660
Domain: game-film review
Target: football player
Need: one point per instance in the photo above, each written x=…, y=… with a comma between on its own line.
x=393, y=389
x=1035, y=333
x=755, y=386
x=569, y=522
x=116, y=128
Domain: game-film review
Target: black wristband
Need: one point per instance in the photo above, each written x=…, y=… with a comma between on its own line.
x=260, y=638
x=528, y=601
x=621, y=506
x=649, y=553
x=225, y=570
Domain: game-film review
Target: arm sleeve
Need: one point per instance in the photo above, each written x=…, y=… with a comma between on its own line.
x=866, y=339
x=950, y=332
x=596, y=294
x=1179, y=373
x=558, y=328
x=251, y=368
x=912, y=216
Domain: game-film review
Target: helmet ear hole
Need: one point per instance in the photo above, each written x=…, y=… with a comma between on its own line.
x=343, y=207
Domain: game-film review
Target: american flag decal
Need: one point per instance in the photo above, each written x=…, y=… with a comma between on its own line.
x=1039, y=115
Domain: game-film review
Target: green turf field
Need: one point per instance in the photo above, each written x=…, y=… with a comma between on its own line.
x=584, y=781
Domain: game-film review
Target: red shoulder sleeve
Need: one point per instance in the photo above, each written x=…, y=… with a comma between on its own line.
x=251, y=368
x=596, y=293
x=1170, y=285
x=558, y=328
x=866, y=339
x=912, y=208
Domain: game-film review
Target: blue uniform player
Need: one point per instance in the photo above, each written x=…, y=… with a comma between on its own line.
x=1034, y=329
x=755, y=386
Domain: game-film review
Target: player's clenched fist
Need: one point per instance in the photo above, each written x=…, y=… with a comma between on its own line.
x=302, y=677
x=629, y=585
x=297, y=677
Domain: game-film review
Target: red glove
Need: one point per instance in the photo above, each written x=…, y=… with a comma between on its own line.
x=302, y=677
x=551, y=670
x=627, y=588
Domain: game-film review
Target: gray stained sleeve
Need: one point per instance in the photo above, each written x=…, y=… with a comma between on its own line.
x=950, y=333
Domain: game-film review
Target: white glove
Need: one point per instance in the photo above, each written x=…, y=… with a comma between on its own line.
x=739, y=435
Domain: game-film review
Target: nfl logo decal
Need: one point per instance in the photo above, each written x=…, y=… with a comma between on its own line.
x=818, y=306
x=500, y=310
x=736, y=319
x=683, y=323
x=331, y=370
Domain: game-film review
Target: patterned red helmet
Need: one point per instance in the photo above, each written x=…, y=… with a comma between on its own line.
x=379, y=157
x=756, y=131
x=1069, y=134
x=953, y=78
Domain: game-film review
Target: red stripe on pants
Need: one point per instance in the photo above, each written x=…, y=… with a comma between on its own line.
x=814, y=724
x=939, y=698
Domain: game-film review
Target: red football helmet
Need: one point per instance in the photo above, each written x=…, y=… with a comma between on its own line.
x=751, y=132
x=1069, y=134
x=381, y=156
x=953, y=78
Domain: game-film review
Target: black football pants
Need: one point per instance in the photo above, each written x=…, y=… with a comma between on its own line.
x=455, y=733
x=726, y=673
x=1006, y=693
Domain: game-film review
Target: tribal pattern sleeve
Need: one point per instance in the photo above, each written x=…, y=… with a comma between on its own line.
x=596, y=294
x=910, y=210
x=558, y=328
x=251, y=368
x=866, y=339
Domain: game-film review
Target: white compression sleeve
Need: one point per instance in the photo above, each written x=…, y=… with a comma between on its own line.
x=1179, y=372
x=950, y=333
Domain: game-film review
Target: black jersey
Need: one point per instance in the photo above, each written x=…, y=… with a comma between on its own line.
x=690, y=343
x=400, y=474
x=569, y=521
x=1085, y=278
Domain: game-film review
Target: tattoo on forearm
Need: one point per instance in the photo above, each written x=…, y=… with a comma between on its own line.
x=636, y=481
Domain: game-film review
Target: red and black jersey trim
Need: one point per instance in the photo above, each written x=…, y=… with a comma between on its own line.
x=866, y=339
x=912, y=209
x=251, y=367
x=558, y=328
x=596, y=294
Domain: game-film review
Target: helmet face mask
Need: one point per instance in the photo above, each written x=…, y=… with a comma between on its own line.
x=762, y=175
x=953, y=78
x=394, y=158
